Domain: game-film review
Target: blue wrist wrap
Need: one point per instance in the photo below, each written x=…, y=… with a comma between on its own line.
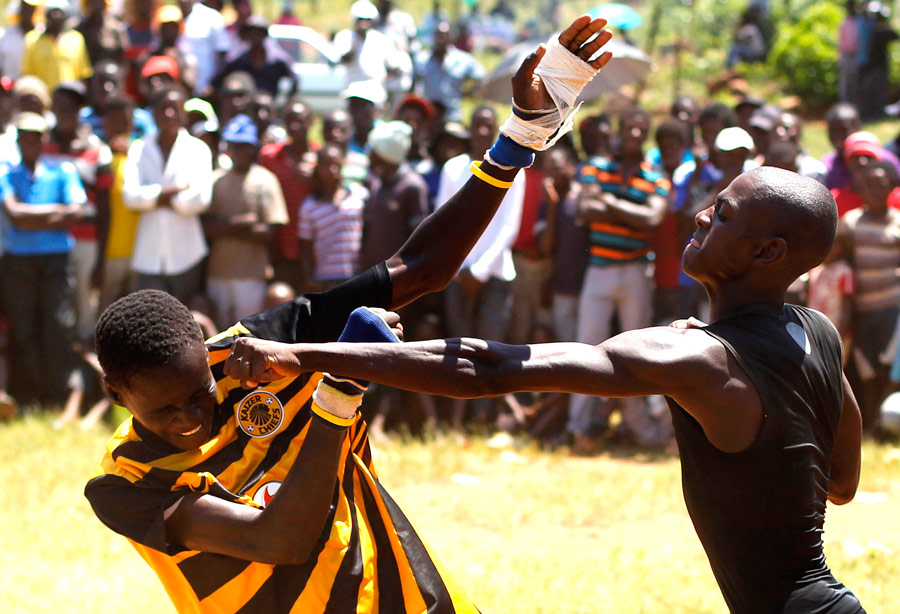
x=363, y=326
x=507, y=152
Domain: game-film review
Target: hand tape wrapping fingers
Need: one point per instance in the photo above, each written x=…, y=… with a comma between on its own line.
x=564, y=74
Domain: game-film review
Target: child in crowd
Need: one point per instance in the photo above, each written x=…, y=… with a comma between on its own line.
x=831, y=288
x=872, y=236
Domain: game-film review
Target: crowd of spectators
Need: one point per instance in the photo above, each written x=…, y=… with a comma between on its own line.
x=864, y=44
x=175, y=151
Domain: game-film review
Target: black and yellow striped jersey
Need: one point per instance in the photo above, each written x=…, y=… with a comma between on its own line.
x=368, y=558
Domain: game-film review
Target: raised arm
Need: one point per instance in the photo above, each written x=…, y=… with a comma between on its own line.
x=433, y=254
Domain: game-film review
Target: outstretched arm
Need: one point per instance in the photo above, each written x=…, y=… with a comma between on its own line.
x=435, y=251
x=685, y=364
x=635, y=363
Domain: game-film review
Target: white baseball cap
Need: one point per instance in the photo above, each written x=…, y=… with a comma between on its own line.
x=363, y=9
x=733, y=138
x=368, y=89
x=391, y=141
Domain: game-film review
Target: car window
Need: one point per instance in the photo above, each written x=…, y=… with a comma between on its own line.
x=301, y=51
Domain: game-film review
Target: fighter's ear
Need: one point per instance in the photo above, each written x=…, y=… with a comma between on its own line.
x=770, y=251
x=111, y=392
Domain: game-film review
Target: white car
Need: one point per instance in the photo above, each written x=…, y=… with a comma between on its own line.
x=316, y=64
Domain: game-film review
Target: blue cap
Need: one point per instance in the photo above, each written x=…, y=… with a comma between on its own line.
x=241, y=129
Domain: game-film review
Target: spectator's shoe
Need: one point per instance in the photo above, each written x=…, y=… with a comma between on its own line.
x=585, y=445
x=8, y=407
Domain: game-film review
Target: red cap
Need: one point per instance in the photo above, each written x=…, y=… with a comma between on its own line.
x=160, y=64
x=863, y=144
x=417, y=101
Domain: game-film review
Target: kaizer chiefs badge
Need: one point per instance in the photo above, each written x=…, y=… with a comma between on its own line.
x=259, y=414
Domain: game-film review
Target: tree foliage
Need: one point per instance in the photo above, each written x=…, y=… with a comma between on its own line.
x=805, y=54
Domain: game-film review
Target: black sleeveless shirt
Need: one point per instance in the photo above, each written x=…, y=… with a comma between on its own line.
x=760, y=512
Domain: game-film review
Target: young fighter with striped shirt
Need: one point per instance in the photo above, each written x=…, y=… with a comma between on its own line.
x=266, y=500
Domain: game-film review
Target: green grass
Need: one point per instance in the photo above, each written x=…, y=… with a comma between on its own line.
x=526, y=531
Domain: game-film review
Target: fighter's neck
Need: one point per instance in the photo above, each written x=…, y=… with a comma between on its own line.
x=725, y=302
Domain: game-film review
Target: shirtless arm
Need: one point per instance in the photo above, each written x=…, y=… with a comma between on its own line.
x=845, y=457
x=687, y=365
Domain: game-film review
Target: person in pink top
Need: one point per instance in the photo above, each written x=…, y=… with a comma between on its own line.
x=831, y=289
x=848, y=46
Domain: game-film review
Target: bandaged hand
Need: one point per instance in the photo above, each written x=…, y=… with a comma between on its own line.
x=546, y=87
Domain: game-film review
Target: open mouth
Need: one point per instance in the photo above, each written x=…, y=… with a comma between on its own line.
x=193, y=431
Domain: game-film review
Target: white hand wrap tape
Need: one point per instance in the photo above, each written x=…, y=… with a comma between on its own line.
x=564, y=74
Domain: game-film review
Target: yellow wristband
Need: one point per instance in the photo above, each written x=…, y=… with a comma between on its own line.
x=497, y=183
x=329, y=417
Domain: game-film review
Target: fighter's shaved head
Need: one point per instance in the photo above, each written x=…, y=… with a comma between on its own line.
x=798, y=209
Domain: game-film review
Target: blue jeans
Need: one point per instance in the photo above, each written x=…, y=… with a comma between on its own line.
x=39, y=298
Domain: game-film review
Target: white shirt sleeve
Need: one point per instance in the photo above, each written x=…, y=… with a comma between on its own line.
x=486, y=259
x=342, y=42
x=196, y=198
x=219, y=35
x=453, y=176
x=137, y=195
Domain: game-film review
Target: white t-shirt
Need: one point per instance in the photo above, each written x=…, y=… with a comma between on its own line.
x=492, y=254
x=374, y=57
x=12, y=49
x=203, y=37
x=169, y=239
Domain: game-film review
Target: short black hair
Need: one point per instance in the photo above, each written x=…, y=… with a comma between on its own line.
x=632, y=112
x=119, y=102
x=680, y=102
x=483, y=108
x=673, y=128
x=889, y=169
x=719, y=111
x=143, y=330
x=841, y=111
x=165, y=91
x=294, y=101
x=599, y=120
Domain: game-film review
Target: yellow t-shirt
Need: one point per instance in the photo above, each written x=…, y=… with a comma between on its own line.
x=123, y=222
x=56, y=60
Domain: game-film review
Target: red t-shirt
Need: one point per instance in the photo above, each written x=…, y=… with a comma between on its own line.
x=667, y=249
x=531, y=204
x=848, y=200
x=276, y=158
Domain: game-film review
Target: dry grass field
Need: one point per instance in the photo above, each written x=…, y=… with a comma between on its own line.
x=524, y=531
